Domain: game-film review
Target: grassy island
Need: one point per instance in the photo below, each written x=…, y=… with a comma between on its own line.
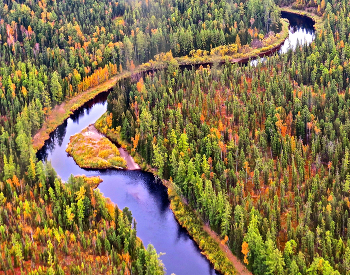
x=90, y=149
x=212, y=246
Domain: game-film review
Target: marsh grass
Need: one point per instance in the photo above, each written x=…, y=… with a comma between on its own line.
x=92, y=150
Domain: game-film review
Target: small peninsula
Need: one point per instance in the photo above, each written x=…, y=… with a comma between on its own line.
x=90, y=149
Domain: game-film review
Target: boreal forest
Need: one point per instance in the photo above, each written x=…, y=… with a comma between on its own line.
x=248, y=145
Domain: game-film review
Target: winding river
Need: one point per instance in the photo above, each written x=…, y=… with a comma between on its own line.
x=138, y=190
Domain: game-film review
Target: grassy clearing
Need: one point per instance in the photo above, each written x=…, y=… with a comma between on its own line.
x=92, y=150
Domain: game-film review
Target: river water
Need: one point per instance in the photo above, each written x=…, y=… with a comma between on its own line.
x=139, y=191
x=301, y=32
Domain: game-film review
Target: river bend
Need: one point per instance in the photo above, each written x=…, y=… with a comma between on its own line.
x=139, y=191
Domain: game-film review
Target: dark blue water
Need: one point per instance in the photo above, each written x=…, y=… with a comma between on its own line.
x=139, y=191
x=301, y=32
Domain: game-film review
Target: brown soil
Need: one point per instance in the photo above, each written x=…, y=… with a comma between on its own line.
x=239, y=266
x=93, y=133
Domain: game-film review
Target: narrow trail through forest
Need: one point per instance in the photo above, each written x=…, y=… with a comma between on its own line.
x=239, y=266
x=130, y=162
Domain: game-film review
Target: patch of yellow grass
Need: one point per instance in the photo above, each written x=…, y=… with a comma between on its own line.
x=93, y=181
x=92, y=150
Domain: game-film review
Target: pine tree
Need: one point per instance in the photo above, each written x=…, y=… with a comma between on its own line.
x=56, y=88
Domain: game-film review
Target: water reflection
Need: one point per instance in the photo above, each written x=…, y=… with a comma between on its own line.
x=301, y=32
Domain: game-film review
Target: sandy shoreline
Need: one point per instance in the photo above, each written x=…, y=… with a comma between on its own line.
x=130, y=162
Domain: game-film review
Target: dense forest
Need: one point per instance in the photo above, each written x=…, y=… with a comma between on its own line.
x=54, y=50
x=67, y=228
x=262, y=153
x=50, y=51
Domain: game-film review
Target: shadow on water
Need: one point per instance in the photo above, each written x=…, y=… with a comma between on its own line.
x=301, y=32
x=299, y=22
x=139, y=191
x=155, y=188
x=57, y=136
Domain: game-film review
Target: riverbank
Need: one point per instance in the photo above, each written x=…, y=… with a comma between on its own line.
x=92, y=150
x=63, y=111
x=209, y=246
x=114, y=136
x=240, y=57
x=130, y=162
x=212, y=246
x=186, y=225
x=133, y=161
